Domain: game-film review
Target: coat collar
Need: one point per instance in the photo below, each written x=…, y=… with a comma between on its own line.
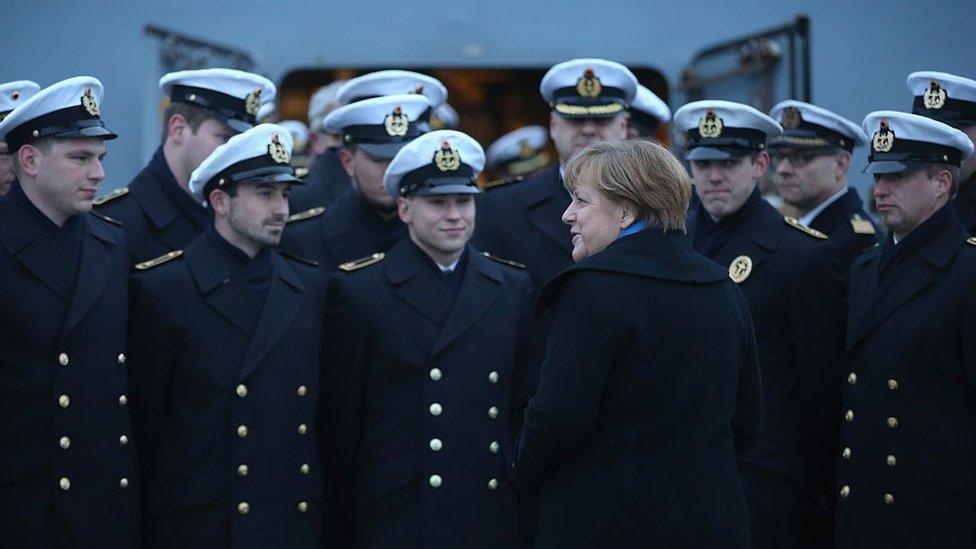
x=281, y=307
x=838, y=212
x=545, y=200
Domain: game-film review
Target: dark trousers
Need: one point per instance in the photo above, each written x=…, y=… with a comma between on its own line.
x=774, y=508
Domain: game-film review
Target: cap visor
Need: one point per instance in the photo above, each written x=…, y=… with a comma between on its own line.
x=277, y=178
x=447, y=189
x=894, y=166
x=715, y=153
x=382, y=150
x=91, y=131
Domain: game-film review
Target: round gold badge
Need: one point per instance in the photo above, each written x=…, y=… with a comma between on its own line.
x=740, y=269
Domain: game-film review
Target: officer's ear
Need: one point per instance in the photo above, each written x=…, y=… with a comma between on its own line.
x=26, y=160
x=403, y=209
x=345, y=157
x=760, y=164
x=843, y=159
x=943, y=181
x=177, y=128
x=219, y=202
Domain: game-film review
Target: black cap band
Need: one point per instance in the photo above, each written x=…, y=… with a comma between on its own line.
x=812, y=136
x=954, y=112
x=430, y=176
x=922, y=152
x=260, y=169
x=370, y=133
x=221, y=104
x=73, y=121
x=733, y=138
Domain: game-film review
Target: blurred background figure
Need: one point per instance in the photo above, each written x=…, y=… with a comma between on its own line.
x=322, y=102
x=518, y=153
x=647, y=112
x=444, y=117
x=651, y=384
x=11, y=95
x=299, y=134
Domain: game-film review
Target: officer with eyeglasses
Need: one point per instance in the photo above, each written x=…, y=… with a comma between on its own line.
x=810, y=161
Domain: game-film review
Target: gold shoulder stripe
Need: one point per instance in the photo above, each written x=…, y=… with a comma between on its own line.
x=110, y=196
x=307, y=214
x=111, y=220
x=502, y=182
x=861, y=226
x=504, y=261
x=159, y=260
x=971, y=241
x=301, y=172
x=357, y=264
x=792, y=222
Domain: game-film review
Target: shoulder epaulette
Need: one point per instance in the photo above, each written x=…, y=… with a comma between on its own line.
x=106, y=218
x=971, y=241
x=861, y=226
x=792, y=222
x=502, y=182
x=301, y=172
x=159, y=260
x=307, y=214
x=110, y=196
x=357, y=264
x=504, y=261
x=298, y=258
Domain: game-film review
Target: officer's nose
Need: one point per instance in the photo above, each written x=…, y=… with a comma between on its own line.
x=97, y=173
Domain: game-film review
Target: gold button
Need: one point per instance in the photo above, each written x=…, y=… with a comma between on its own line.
x=302, y=429
x=494, y=447
x=849, y=416
x=242, y=470
x=493, y=377
x=493, y=412
x=892, y=385
x=845, y=491
x=63, y=359
x=123, y=483
x=892, y=422
x=304, y=469
x=436, y=444
x=36, y=133
x=302, y=390
x=123, y=400
x=123, y=440
x=436, y=409
x=64, y=443
x=64, y=483
x=435, y=374
x=852, y=378
x=192, y=97
x=889, y=499
x=846, y=454
x=435, y=481
x=242, y=431
x=493, y=484
x=891, y=460
x=121, y=359
x=302, y=506
x=243, y=508
x=242, y=391
x=64, y=401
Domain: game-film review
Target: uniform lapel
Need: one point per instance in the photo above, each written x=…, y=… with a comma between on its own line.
x=344, y=234
x=756, y=238
x=480, y=288
x=545, y=204
x=282, y=305
x=93, y=272
x=172, y=229
x=225, y=293
x=415, y=282
x=19, y=235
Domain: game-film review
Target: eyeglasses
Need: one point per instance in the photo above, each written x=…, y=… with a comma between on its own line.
x=797, y=159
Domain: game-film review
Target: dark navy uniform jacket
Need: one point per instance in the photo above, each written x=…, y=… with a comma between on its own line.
x=326, y=180
x=907, y=474
x=419, y=384
x=850, y=236
x=349, y=230
x=650, y=386
x=225, y=398
x=523, y=222
x=156, y=214
x=67, y=465
x=796, y=296
x=965, y=204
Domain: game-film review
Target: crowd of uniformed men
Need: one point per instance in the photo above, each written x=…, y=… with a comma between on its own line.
x=225, y=354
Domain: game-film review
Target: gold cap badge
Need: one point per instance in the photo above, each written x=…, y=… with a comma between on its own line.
x=710, y=125
x=884, y=138
x=934, y=97
x=447, y=159
x=396, y=123
x=88, y=102
x=277, y=151
x=589, y=85
x=252, y=103
x=791, y=118
x=740, y=269
x=525, y=150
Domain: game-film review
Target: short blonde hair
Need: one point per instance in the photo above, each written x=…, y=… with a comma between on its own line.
x=640, y=172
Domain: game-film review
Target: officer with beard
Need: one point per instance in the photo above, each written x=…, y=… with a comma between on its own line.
x=363, y=219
